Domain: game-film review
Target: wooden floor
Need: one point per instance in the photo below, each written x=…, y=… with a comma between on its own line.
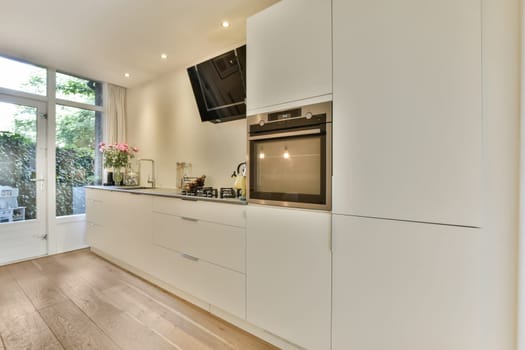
x=79, y=301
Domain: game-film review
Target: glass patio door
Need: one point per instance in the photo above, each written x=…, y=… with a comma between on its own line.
x=23, y=182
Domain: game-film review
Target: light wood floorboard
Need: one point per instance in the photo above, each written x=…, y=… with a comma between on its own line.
x=74, y=329
x=21, y=326
x=28, y=332
x=80, y=301
x=40, y=288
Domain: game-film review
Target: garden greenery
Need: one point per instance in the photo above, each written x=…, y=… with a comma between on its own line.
x=74, y=168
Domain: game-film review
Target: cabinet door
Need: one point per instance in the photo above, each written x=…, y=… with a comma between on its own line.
x=119, y=224
x=405, y=286
x=289, y=55
x=98, y=218
x=407, y=110
x=131, y=228
x=96, y=211
x=288, y=272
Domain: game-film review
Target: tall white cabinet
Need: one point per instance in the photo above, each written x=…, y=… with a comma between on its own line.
x=405, y=286
x=407, y=167
x=407, y=110
x=289, y=50
x=288, y=274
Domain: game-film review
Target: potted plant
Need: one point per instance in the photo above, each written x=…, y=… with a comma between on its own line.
x=117, y=157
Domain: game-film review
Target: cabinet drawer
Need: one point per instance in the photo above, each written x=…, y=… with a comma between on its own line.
x=211, y=283
x=216, y=243
x=96, y=211
x=227, y=214
x=101, y=195
x=96, y=235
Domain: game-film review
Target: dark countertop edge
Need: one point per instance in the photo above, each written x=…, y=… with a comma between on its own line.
x=174, y=195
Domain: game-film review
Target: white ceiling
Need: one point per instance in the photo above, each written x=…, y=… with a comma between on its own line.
x=103, y=39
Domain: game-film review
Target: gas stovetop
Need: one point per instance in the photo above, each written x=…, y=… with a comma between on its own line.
x=211, y=192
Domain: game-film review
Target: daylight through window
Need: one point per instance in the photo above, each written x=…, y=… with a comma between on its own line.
x=23, y=125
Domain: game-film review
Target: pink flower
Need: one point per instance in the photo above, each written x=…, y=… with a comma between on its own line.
x=117, y=154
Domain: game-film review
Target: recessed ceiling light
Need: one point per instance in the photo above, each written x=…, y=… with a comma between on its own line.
x=127, y=75
x=225, y=24
x=163, y=56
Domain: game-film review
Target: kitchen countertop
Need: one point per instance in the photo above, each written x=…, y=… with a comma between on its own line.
x=165, y=192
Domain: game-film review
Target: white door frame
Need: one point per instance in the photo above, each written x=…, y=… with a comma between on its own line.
x=67, y=232
x=520, y=342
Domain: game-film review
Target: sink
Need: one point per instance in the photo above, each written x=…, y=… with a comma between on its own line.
x=167, y=191
x=146, y=190
x=129, y=188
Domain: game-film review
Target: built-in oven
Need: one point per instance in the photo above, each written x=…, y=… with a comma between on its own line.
x=290, y=157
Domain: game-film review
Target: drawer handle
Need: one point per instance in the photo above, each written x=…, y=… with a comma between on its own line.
x=189, y=219
x=189, y=257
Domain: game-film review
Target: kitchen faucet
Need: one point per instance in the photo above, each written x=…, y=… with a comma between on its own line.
x=151, y=179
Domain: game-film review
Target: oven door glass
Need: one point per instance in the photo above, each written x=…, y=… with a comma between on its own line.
x=291, y=169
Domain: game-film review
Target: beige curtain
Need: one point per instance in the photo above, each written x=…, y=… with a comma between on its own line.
x=115, y=114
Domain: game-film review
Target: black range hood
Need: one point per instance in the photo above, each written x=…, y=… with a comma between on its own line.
x=219, y=86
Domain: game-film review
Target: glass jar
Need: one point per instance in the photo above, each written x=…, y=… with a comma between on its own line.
x=131, y=176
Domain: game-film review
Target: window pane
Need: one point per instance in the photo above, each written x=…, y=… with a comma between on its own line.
x=76, y=158
x=22, y=76
x=78, y=90
x=17, y=162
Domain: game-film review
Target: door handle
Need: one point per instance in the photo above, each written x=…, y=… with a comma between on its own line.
x=189, y=219
x=189, y=257
x=286, y=134
x=41, y=180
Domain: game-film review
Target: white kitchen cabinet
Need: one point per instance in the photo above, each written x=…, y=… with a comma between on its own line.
x=97, y=217
x=407, y=110
x=289, y=56
x=120, y=224
x=405, y=286
x=131, y=225
x=197, y=247
x=232, y=215
x=200, y=247
x=288, y=271
x=97, y=206
x=219, y=244
x=209, y=282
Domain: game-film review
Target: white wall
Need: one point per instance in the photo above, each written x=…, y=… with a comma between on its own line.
x=164, y=122
x=501, y=87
